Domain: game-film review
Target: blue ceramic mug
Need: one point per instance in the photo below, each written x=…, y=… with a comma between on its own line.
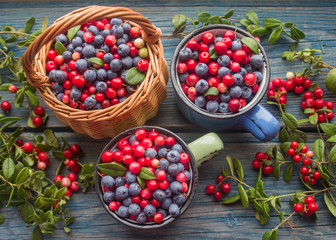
x=253, y=117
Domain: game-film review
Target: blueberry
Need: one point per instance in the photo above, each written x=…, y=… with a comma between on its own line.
x=223, y=71
x=101, y=74
x=218, y=39
x=166, y=203
x=129, y=88
x=130, y=177
x=121, y=41
x=105, y=48
x=75, y=94
x=93, y=29
x=256, y=61
x=169, y=177
x=70, y=47
x=172, y=170
x=123, y=50
x=52, y=75
x=174, y=210
x=235, y=92
x=156, y=171
x=127, y=62
x=80, y=34
x=132, y=139
x=188, y=174
x=67, y=55
x=223, y=107
x=149, y=210
x=108, y=196
x=259, y=76
x=163, y=152
x=111, y=74
x=123, y=211
x=98, y=40
x=81, y=65
x=90, y=75
x=126, y=27
x=88, y=62
x=200, y=101
x=183, y=77
x=246, y=92
x=163, y=163
x=177, y=147
x=90, y=102
x=212, y=106
x=134, y=189
x=202, y=86
x=117, y=31
x=136, y=60
x=242, y=71
x=141, y=218
x=151, y=153
x=78, y=49
x=249, y=68
x=105, y=33
x=236, y=45
x=194, y=55
x=119, y=181
x=173, y=156
x=97, y=106
x=168, y=192
x=238, y=79
x=77, y=42
x=223, y=60
x=163, y=212
x=179, y=199
x=58, y=87
x=159, y=195
x=108, y=57
x=60, y=76
x=116, y=65
x=121, y=193
x=61, y=38
x=101, y=87
x=185, y=54
x=175, y=187
x=122, y=99
x=180, y=167
x=116, y=21
x=211, y=47
x=201, y=69
x=127, y=202
x=134, y=209
x=60, y=96
x=89, y=51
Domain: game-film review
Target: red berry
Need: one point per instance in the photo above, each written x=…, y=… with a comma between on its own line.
x=221, y=48
x=318, y=93
x=239, y=56
x=113, y=206
x=271, y=94
x=74, y=186
x=228, y=80
x=161, y=175
x=218, y=195
x=304, y=170
x=208, y=38
x=107, y=156
x=228, y=42
x=145, y=193
x=282, y=100
x=256, y=164
x=312, y=207
x=309, y=199
x=164, y=184
x=143, y=203
x=204, y=57
x=39, y=110
x=304, y=149
x=213, y=69
x=316, y=174
x=235, y=67
x=298, y=81
x=42, y=166
x=291, y=151
x=276, y=82
x=140, y=134
x=37, y=121
x=43, y=156
x=135, y=167
x=330, y=116
x=134, y=32
x=159, y=141
x=226, y=187
x=307, y=83
x=193, y=44
x=230, y=34
x=297, y=158
x=68, y=192
x=88, y=37
x=294, y=144
x=210, y=189
x=170, y=141
x=319, y=103
x=5, y=106
x=298, y=207
x=307, y=95
x=181, y=177
x=143, y=65
x=58, y=177
x=50, y=65
x=78, y=81
x=329, y=105
x=12, y=88
x=19, y=142
x=234, y=105
x=250, y=79
x=182, y=67
x=298, y=90
x=312, y=181
x=267, y=169
x=72, y=177
x=158, y=217
x=289, y=85
x=152, y=185
x=184, y=158
x=28, y=147
x=305, y=178
x=220, y=178
x=321, y=117
x=309, y=103
x=306, y=161
x=66, y=182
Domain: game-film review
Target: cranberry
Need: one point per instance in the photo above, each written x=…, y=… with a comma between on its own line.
x=220, y=178
x=329, y=105
x=12, y=88
x=113, y=206
x=316, y=174
x=88, y=37
x=204, y=57
x=221, y=48
x=307, y=83
x=312, y=181
x=181, y=177
x=289, y=85
x=41, y=166
x=256, y=164
x=19, y=142
x=68, y=192
x=72, y=177
x=152, y=185
x=321, y=117
x=230, y=34
x=66, y=182
x=182, y=67
x=170, y=141
x=193, y=44
x=298, y=81
x=210, y=189
x=228, y=80
x=50, y=65
x=218, y=195
x=291, y=151
x=309, y=199
x=145, y=193
x=134, y=167
x=297, y=158
x=5, y=106
x=226, y=187
x=312, y=207
x=318, y=93
x=306, y=161
x=184, y=158
x=304, y=170
x=74, y=186
x=307, y=95
x=310, y=102
x=58, y=177
x=304, y=149
x=298, y=90
x=298, y=207
x=158, y=217
x=235, y=67
x=107, y=156
x=140, y=134
x=250, y=79
x=294, y=144
x=208, y=38
x=164, y=184
x=28, y=147
x=143, y=65
x=330, y=116
x=161, y=175
x=37, y=121
x=267, y=169
x=234, y=105
x=43, y=156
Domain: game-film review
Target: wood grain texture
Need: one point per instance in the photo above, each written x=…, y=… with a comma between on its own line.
x=205, y=219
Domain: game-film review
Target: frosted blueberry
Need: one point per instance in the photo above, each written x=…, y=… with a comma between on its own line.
x=212, y=106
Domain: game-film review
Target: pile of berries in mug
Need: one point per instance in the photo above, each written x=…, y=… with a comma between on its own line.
x=90, y=73
x=221, y=62
x=161, y=196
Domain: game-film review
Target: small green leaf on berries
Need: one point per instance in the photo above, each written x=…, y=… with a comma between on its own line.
x=244, y=22
x=251, y=43
x=229, y=13
x=271, y=22
x=203, y=17
x=141, y=182
x=97, y=61
x=179, y=22
x=226, y=172
x=313, y=119
x=213, y=54
x=238, y=168
x=319, y=149
x=231, y=199
x=330, y=205
x=274, y=235
x=328, y=128
x=8, y=168
x=332, y=154
x=252, y=16
x=29, y=24
x=51, y=138
x=296, y=33
x=267, y=235
x=243, y=196
x=230, y=165
x=146, y=174
x=275, y=35
x=212, y=91
x=214, y=20
x=283, y=135
x=32, y=98
x=276, y=171
x=287, y=175
x=281, y=216
x=113, y=169
x=290, y=120
x=134, y=76
x=59, y=47
x=58, y=154
x=72, y=32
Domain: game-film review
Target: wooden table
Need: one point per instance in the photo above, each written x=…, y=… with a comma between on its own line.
x=205, y=218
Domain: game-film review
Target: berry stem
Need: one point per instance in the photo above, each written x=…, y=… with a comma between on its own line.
x=16, y=32
x=283, y=221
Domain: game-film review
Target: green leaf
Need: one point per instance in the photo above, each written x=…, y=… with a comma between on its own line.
x=37, y=234
x=44, y=147
x=27, y=212
x=275, y=35
x=290, y=120
x=319, y=149
x=8, y=168
x=213, y=54
x=283, y=135
x=289, y=24
x=324, y=175
x=239, y=169
x=253, y=17
x=58, y=154
x=32, y=98
x=2, y=219
x=134, y=76
x=67, y=230
x=44, y=24
x=146, y=174
x=203, y=17
x=113, y=169
x=179, y=22
x=251, y=44
x=97, y=61
x=328, y=128
x=231, y=199
x=51, y=138
x=276, y=171
x=244, y=22
x=18, y=100
x=330, y=205
x=274, y=235
x=260, y=31
x=212, y=91
x=332, y=154
x=230, y=165
x=296, y=33
x=214, y=20
x=4, y=45
x=271, y=22
x=141, y=182
x=267, y=235
x=332, y=139
x=4, y=87
x=60, y=49
x=304, y=120
x=60, y=193
x=22, y=176
x=243, y=196
x=313, y=119
x=29, y=24
x=229, y=13
x=72, y=32
x=281, y=215
x=287, y=175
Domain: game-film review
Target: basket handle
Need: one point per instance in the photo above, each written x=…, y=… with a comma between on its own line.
x=150, y=34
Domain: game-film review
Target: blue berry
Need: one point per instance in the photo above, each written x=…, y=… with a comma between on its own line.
x=136, y=60
x=101, y=74
x=60, y=96
x=117, y=31
x=101, y=87
x=159, y=195
x=105, y=48
x=249, y=68
x=235, y=92
x=223, y=71
x=123, y=50
x=116, y=65
x=242, y=71
x=141, y=218
x=175, y=187
x=180, y=167
x=70, y=48
x=93, y=29
x=111, y=74
x=177, y=147
x=163, y=152
x=98, y=40
x=172, y=170
x=89, y=51
x=256, y=61
x=90, y=75
x=212, y=106
x=127, y=62
x=223, y=60
x=201, y=69
x=168, y=192
x=90, y=102
x=126, y=27
x=236, y=45
x=238, y=79
x=163, y=212
x=77, y=42
x=223, y=107
x=200, y=101
x=188, y=174
x=173, y=156
x=169, y=177
x=194, y=55
x=121, y=40
x=58, y=87
x=166, y=203
x=121, y=193
x=79, y=49
x=122, y=99
x=108, y=196
x=67, y=55
x=246, y=92
x=61, y=38
x=97, y=106
x=164, y=164
x=52, y=75
x=132, y=139
x=80, y=33
x=75, y=94
x=183, y=77
x=123, y=211
x=105, y=33
x=59, y=76
x=149, y=210
x=127, y=202
x=134, y=209
x=202, y=86
x=259, y=76
x=81, y=65
x=130, y=177
x=151, y=153
x=185, y=54
x=218, y=39
x=116, y=21
x=174, y=210
x=179, y=199
x=119, y=181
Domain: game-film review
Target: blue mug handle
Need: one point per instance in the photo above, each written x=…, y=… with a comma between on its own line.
x=261, y=123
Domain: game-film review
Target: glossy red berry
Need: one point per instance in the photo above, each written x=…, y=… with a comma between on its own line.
x=307, y=95
x=135, y=167
x=289, y=85
x=256, y=164
x=161, y=175
x=158, y=217
x=291, y=151
x=208, y=38
x=218, y=195
x=309, y=199
x=329, y=105
x=306, y=161
x=312, y=181
x=316, y=175
x=226, y=187
x=304, y=149
x=5, y=106
x=152, y=185
x=321, y=117
x=39, y=110
x=294, y=144
x=312, y=206
x=304, y=170
x=298, y=89
x=37, y=121
x=298, y=207
x=318, y=93
x=297, y=158
x=210, y=189
x=28, y=147
x=267, y=169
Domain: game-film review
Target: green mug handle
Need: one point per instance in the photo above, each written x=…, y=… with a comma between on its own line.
x=206, y=147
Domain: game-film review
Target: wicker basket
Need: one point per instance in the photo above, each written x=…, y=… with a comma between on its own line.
x=135, y=110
